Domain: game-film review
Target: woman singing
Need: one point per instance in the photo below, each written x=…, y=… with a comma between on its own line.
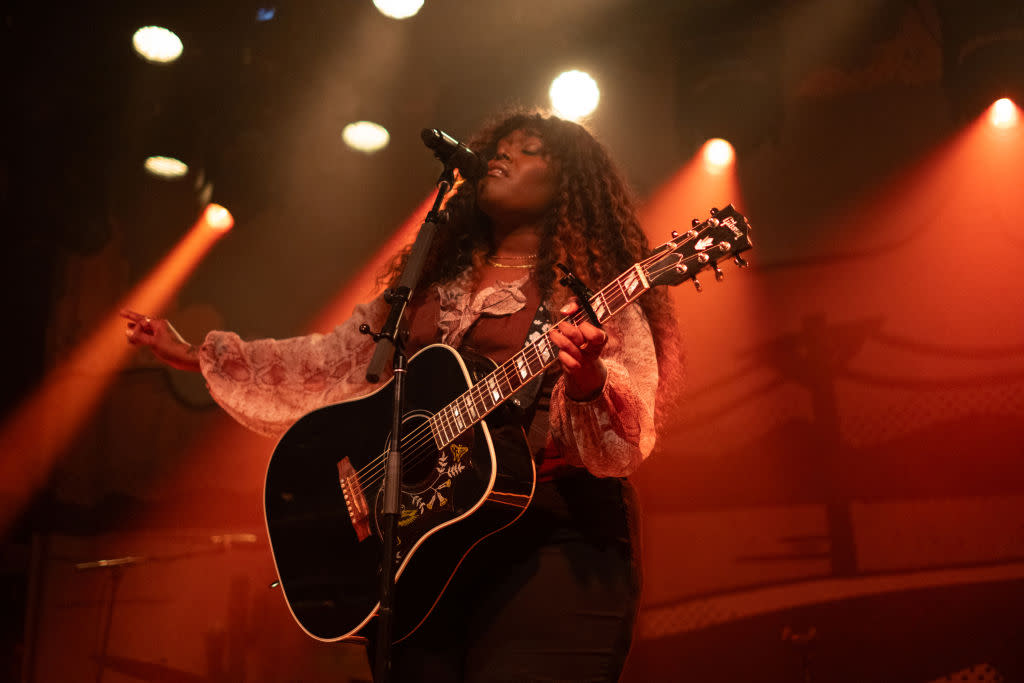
x=554, y=596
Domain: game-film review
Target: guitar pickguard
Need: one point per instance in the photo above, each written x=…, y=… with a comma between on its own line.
x=437, y=493
x=429, y=485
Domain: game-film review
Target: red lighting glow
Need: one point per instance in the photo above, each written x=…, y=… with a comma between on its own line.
x=363, y=285
x=40, y=430
x=1004, y=113
x=718, y=154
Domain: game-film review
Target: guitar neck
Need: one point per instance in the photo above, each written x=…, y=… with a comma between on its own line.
x=488, y=394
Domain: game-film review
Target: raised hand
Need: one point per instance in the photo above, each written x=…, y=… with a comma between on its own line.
x=162, y=339
x=579, y=352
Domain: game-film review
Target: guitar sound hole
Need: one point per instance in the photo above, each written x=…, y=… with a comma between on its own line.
x=419, y=456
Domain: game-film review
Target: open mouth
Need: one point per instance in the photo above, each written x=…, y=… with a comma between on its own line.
x=497, y=170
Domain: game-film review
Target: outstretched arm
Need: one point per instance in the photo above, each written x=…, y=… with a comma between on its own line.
x=268, y=384
x=162, y=339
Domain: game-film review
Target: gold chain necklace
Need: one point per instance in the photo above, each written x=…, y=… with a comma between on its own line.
x=493, y=261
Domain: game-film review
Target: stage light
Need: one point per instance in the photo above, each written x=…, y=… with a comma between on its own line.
x=366, y=136
x=574, y=94
x=398, y=9
x=983, y=55
x=1003, y=113
x=156, y=44
x=218, y=218
x=266, y=13
x=718, y=155
x=165, y=167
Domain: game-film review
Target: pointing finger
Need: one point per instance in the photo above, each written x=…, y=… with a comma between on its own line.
x=131, y=315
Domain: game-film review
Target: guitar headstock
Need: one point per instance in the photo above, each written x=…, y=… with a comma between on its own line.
x=725, y=234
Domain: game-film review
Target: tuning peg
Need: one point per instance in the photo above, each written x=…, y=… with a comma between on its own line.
x=695, y=222
x=680, y=268
x=719, y=275
x=740, y=261
x=675, y=234
x=714, y=213
x=698, y=285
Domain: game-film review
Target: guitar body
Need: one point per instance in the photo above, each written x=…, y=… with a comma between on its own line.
x=464, y=477
x=327, y=553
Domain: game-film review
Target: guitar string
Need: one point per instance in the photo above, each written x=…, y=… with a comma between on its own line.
x=502, y=373
x=506, y=371
x=423, y=432
x=424, y=435
x=476, y=392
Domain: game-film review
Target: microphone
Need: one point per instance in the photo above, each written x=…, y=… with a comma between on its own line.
x=453, y=153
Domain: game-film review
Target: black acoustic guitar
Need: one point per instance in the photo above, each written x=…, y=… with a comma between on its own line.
x=464, y=477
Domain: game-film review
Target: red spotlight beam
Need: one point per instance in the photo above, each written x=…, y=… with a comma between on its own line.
x=226, y=449
x=363, y=285
x=38, y=432
x=688, y=194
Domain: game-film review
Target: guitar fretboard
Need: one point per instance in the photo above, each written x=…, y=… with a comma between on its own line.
x=497, y=387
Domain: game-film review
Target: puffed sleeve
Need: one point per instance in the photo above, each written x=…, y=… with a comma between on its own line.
x=611, y=434
x=268, y=384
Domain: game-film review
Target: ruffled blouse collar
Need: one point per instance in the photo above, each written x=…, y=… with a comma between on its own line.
x=461, y=307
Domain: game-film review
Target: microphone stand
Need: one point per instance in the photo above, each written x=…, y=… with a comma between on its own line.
x=116, y=567
x=390, y=341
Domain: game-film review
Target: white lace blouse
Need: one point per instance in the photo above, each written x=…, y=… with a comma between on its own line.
x=268, y=384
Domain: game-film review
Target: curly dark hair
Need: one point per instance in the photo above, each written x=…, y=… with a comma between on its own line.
x=592, y=227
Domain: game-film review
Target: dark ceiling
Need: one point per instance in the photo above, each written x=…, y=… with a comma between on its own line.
x=259, y=106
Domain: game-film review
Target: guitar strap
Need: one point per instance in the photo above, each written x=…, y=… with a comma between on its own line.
x=525, y=401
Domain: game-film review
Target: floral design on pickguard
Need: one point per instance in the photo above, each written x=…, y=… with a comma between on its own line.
x=433, y=497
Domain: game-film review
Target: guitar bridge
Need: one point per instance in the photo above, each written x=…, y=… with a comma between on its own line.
x=355, y=500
